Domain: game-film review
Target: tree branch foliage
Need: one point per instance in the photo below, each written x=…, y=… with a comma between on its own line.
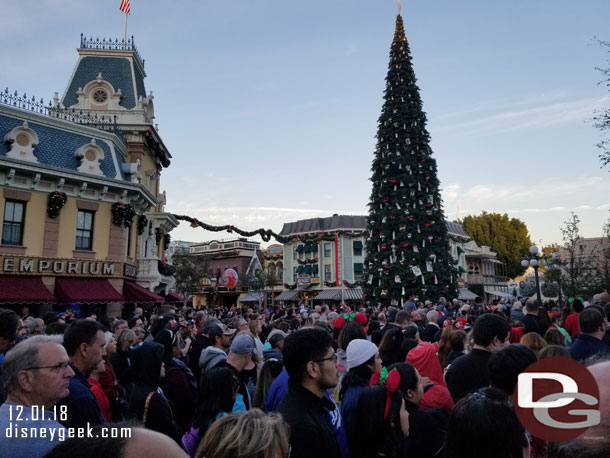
x=508, y=237
x=190, y=271
x=602, y=117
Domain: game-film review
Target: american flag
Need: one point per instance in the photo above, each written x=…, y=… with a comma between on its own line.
x=125, y=6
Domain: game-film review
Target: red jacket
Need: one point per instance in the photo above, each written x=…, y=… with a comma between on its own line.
x=424, y=359
x=572, y=325
x=102, y=400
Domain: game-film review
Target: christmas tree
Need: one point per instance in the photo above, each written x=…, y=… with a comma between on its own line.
x=407, y=247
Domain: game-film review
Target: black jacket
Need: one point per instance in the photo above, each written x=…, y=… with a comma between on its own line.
x=533, y=323
x=426, y=431
x=201, y=343
x=429, y=332
x=147, y=361
x=311, y=434
x=468, y=373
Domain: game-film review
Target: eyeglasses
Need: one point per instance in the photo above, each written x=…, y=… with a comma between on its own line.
x=59, y=367
x=330, y=358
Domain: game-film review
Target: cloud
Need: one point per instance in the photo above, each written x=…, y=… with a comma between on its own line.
x=550, y=113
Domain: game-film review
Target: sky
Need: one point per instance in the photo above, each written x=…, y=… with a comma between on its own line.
x=269, y=108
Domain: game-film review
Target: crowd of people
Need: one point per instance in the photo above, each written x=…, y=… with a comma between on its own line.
x=420, y=380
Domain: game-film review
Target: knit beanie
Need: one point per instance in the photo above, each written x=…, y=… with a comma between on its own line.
x=359, y=351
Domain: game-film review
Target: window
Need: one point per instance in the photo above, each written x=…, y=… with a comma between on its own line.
x=100, y=96
x=327, y=250
x=358, y=271
x=84, y=230
x=294, y=252
x=294, y=274
x=357, y=248
x=327, y=272
x=12, y=229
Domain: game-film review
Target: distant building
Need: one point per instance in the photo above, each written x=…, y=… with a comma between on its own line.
x=325, y=263
x=590, y=254
x=486, y=274
x=230, y=261
x=178, y=247
x=273, y=265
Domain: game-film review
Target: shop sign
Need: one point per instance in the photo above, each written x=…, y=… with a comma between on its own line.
x=130, y=271
x=304, y=281
x=22, y=265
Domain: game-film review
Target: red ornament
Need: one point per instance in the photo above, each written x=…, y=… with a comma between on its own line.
x=384, y=247
x=405, y=245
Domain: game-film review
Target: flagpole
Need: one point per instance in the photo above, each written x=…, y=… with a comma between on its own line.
x=126, y=30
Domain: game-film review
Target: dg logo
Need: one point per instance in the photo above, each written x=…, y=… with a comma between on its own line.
x=557, y=399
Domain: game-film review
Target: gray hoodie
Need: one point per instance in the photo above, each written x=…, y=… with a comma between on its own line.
x=210, y=357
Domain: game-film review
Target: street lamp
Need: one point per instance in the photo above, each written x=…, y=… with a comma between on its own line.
x=534, y=260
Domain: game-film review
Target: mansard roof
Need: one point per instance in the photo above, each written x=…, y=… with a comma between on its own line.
x=118, y=71
x=59, y=140
x=339, y=222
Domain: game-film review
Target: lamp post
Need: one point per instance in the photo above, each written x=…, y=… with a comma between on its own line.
x=556, y=264
x=534, y=260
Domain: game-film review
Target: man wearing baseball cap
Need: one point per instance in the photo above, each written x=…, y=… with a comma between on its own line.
x=220, y=336
x=240, y=355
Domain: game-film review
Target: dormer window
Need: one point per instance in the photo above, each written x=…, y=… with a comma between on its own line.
x=23, y=141
x=100, y=96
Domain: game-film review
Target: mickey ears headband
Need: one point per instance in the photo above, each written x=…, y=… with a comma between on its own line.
x=570, y=300
x=390, y=381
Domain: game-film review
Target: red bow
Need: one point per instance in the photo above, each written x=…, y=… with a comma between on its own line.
x=390, y=382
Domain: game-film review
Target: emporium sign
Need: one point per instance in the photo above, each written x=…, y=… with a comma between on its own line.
x=18, y=265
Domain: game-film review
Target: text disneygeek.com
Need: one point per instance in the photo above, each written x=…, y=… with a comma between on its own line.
x=61, y=434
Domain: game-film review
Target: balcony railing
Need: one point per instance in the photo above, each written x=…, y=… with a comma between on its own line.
x=478, y=279
x=24, y=102
x=110, y=44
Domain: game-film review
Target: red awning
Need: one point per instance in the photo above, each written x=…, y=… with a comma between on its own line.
x=173, y=297
x=136, y=293
x=15, y=289
x=85, y=290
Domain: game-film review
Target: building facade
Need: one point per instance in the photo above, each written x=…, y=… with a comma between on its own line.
x=325, y=261
x=83, y=215
x=229, y=263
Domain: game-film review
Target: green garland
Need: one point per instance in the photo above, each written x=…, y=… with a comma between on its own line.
x=142, y=223
x=308, y=261
x=289, y=286
x=352, y=285
x=55, y=202
x=330, y=283
x=158, y=235
x=122, y=214
x=267, y=234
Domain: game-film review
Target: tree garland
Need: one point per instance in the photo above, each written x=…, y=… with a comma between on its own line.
x=123, y=214
x=308, y=261
x=267, y=234
x=158, y=234
x=142, y=223
x=352, y=285
x=55, y=202
x=330, y=284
